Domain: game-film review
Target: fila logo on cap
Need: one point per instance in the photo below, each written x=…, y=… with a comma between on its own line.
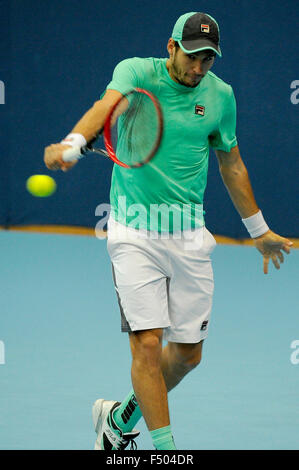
x=200, y=110
x=205, y=28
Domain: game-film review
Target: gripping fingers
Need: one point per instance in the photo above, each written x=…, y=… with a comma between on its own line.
x=53, y=157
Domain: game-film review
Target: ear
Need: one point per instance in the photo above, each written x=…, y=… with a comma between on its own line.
x=171, y=46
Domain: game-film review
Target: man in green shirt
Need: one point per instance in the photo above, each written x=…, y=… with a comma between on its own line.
x=161, y=263
x=195, y=117
x=199, y=111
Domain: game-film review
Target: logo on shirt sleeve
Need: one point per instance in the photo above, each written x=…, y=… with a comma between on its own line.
x=200, y=110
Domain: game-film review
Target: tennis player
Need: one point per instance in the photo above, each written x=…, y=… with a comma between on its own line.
x=162, y=270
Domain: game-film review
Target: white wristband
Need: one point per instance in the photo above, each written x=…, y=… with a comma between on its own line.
x=256, y=225
x=74, y=140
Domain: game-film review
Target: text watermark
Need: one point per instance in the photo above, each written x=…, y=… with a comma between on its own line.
x=2, y=92
x=295, y=94
x=2, y=353
x=156, y=221
x=294, y=358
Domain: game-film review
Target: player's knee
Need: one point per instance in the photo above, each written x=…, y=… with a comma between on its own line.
x=194, y=361
x=188, y=356
x=146, y=346
x=190, y=362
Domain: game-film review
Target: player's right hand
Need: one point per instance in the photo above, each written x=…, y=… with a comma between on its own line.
x=53, y=158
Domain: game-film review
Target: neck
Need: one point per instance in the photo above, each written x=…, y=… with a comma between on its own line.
x=170, y=71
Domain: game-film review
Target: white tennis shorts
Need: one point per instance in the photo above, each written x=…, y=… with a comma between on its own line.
x=163, y=282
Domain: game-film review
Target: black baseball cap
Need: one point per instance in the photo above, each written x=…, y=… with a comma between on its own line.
x=197, y=32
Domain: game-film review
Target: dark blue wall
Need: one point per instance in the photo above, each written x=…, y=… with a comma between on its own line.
x=57, y=57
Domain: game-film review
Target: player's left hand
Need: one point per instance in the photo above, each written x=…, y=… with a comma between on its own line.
x=270, y=245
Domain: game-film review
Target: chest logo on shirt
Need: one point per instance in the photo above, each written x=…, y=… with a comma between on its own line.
x=200, y=110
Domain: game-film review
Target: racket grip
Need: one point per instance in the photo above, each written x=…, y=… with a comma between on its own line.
x=72, y=154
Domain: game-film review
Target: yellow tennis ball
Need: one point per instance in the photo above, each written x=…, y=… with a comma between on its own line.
x=41, y=185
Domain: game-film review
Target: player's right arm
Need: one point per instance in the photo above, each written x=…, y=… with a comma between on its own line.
x=88, y=126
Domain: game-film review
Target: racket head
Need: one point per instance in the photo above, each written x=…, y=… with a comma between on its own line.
x=133, y=129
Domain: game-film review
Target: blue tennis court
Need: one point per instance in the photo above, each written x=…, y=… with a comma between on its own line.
x=61, y=349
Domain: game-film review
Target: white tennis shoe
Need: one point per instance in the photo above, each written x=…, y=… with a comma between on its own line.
x=109, y=435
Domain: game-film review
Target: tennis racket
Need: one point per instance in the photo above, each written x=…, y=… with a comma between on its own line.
x=132, y=131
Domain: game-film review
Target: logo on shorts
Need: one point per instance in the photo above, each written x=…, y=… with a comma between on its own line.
x=200, y=110
x=204, y=325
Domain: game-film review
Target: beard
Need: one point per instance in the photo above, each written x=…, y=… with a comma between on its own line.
x=180, y=76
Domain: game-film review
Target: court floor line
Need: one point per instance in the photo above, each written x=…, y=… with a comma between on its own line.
x=87, y=231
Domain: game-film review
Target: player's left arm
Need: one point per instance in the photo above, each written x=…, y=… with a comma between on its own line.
x=236, y=179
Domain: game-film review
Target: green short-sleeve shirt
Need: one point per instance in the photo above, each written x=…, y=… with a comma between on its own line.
x=167, y=194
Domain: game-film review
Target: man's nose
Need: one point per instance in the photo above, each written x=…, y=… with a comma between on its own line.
x=197, y=68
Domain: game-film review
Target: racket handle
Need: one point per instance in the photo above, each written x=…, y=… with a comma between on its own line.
x=72, y=154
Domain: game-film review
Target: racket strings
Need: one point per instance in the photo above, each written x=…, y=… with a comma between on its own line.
x=135, y=129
